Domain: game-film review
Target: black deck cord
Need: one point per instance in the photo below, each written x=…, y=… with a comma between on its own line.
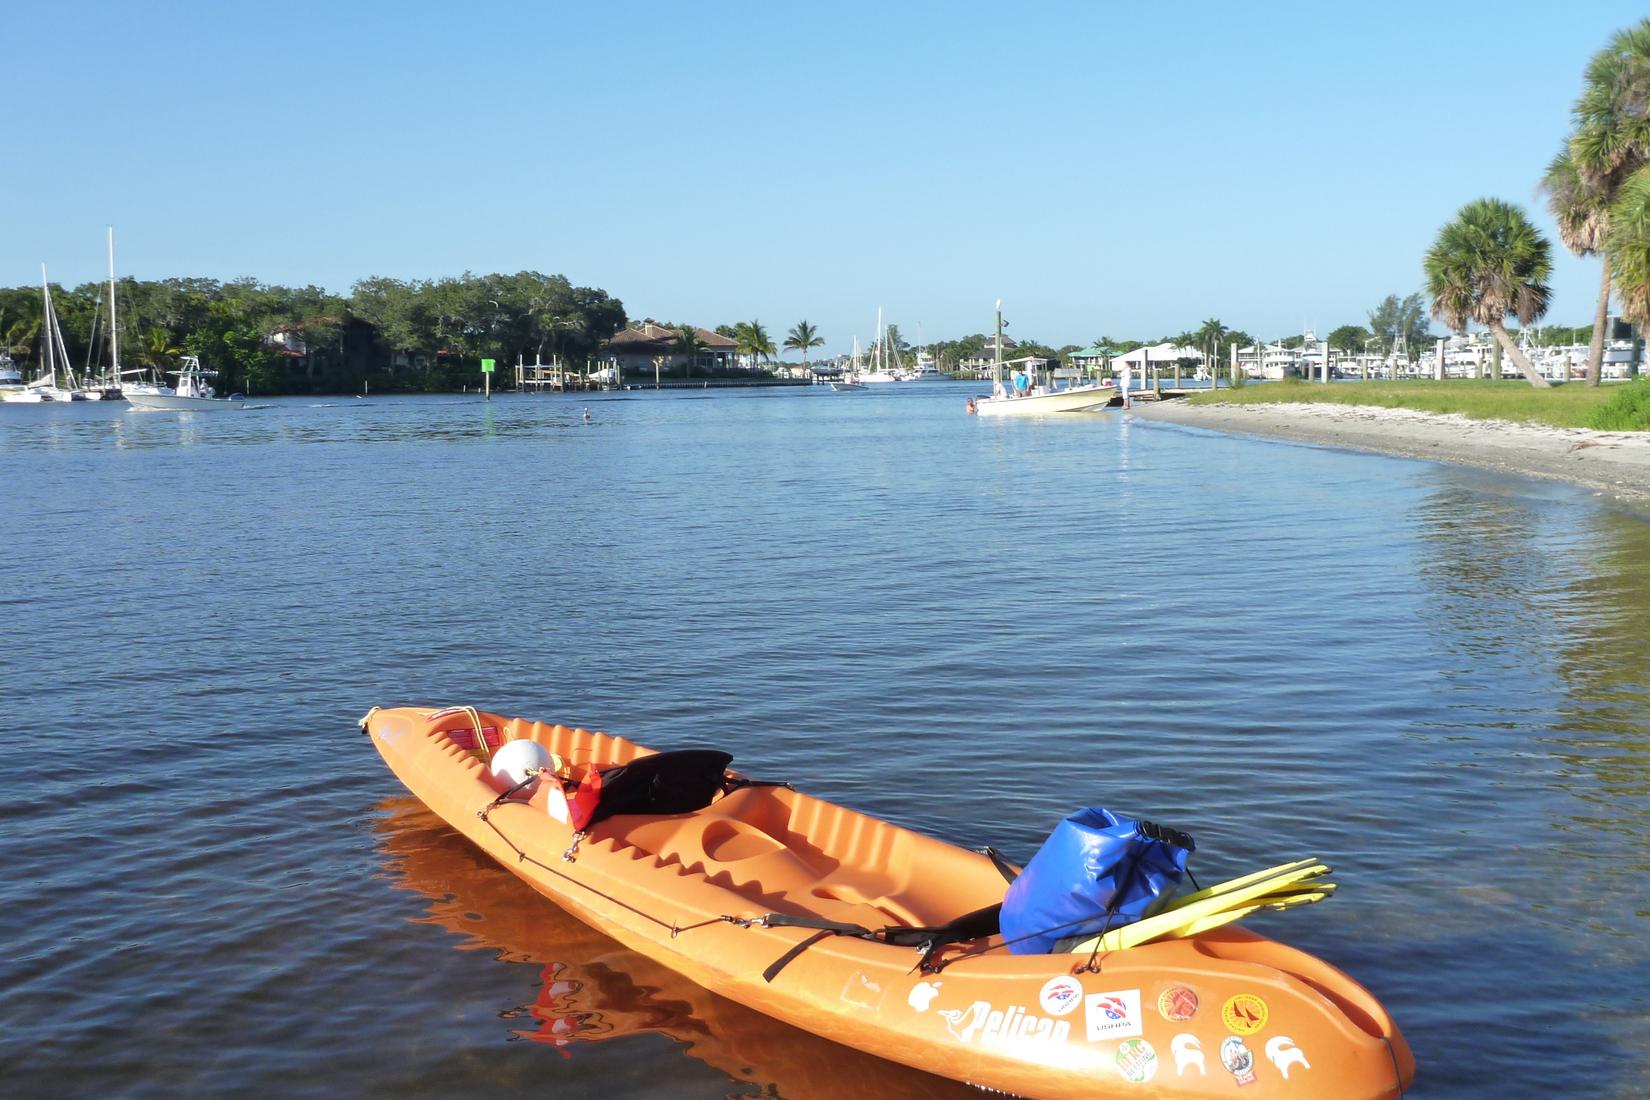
x=675, y=931
x=1397, y=1074
x=1004, y=868
x=505, y=797
x=1089, y=967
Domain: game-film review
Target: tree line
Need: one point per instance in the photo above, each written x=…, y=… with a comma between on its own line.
x=391, y=334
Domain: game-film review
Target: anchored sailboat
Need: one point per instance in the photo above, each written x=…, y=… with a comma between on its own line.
x=53, y=352
x=884, y=359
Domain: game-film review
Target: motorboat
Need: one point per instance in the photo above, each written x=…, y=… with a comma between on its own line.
x=192, y=393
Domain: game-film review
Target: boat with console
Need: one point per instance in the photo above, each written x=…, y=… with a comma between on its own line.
x=1029, y=391
x=11, y=379
x=886, y=940
x=1035, y=401
x=192, y=393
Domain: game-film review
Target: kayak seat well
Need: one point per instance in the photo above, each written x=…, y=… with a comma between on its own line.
x=747, y=844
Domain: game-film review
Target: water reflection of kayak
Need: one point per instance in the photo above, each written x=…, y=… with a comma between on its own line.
x=873, y=936
x=592, y=989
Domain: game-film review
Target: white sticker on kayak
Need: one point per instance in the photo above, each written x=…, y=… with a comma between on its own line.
x=1114, y=1015
x=1283, y=1053
x=922, y=995
x=1061, y=995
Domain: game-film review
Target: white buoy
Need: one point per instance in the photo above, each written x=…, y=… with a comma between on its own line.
x=515, y=759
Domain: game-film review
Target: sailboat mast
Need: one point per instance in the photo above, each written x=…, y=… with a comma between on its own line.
x=46, y=328
x=114, y=329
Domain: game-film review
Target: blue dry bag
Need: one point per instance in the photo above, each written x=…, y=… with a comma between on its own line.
x=1096, y=871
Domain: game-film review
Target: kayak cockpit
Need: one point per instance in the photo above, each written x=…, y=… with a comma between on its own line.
x=784, y=852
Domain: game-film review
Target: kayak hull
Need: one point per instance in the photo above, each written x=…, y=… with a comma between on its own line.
x=1216, y=1014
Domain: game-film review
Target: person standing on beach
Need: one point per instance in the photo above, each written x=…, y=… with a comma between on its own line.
x=1123, y=380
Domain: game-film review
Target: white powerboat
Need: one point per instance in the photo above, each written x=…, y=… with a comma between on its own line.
x=1042, y=402
x=1025, y=396
x=192, y=393
x=926, y=370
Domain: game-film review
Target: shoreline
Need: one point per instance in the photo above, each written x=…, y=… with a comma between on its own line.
x=1616, y=464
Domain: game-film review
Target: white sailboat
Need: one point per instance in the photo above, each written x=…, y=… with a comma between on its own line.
x=884, y=360
x=109, y=387
x=48, y=387
x=850, y=381
x=192, y=393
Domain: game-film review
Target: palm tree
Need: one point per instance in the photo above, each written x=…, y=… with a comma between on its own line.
x=1209, y=336
x=1488, y=264
x=1610, y=143
x=19, y=338
x=752, y=340
x=803, y=337
x=155, y=348
x=1581, y=204
x=1627, y=242
x=688, y=345
x=1612, y=130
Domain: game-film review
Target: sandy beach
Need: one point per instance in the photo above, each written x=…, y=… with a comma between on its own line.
x=1613, y=463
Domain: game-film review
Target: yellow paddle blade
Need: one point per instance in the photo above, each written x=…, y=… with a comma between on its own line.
x=1238, y=883
x=1190, y=911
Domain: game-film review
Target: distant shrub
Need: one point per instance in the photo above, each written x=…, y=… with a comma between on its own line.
x=1627, y=410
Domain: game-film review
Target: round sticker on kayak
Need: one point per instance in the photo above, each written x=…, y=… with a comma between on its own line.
x=1136, y=1060
x=1244, y=1014
x=1237, y=1060
x=1177, y=1003
x=1061, y=995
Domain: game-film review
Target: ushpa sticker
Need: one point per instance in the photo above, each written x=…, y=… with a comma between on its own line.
x=1113, y=1015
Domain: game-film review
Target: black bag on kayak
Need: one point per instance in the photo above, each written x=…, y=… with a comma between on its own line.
x=675, y=782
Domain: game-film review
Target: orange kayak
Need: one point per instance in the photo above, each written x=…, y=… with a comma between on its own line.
x=740, y=897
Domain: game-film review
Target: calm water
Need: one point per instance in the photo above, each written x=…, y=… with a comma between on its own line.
x=1436, y=679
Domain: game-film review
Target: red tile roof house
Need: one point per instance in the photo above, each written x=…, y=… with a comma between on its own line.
x=635, y=348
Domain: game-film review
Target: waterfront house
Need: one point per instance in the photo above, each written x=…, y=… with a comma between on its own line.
x=1088, y=362
x=981, y=363
x=1161, y=356
x=634, y=349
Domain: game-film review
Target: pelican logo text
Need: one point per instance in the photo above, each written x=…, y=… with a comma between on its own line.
x=1001, y=1027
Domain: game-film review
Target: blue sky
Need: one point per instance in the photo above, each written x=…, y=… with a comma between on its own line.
x=1125, y=170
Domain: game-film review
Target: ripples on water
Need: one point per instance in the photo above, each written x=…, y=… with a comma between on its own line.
x=1436, y=679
